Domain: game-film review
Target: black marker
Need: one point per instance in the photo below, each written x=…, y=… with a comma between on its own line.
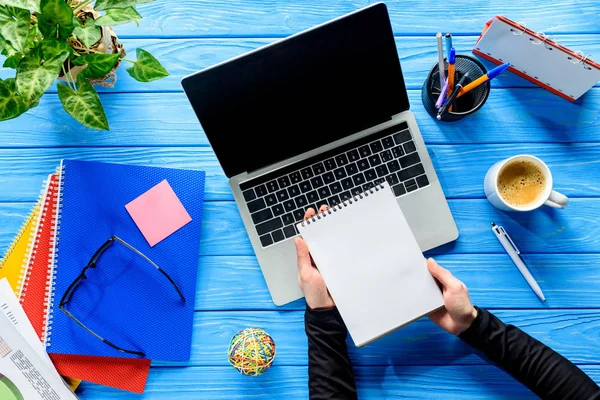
x=450, y=99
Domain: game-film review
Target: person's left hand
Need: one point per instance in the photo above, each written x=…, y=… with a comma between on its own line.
x=309, y=278
x=458, y=312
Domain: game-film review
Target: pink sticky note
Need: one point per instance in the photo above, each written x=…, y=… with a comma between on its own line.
x=158, y=213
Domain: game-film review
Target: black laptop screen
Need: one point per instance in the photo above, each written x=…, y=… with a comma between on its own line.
x=300, y=93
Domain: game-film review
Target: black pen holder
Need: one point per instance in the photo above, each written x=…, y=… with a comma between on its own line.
x=466, y=104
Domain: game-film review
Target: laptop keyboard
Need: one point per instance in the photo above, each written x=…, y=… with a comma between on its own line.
x=278, y=202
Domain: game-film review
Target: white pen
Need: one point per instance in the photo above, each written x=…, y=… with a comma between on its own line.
x=513, y=253
x=441, y=64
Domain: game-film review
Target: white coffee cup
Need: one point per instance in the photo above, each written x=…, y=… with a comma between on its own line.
x=548, y=196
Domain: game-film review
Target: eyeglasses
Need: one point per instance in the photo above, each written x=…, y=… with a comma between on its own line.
x=92, y=264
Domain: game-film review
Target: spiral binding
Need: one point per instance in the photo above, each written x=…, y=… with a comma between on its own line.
x=51, y=283
x=522, y=25
x=342, y=205
x=550, y=43
x=34, y=239
x=46, y=218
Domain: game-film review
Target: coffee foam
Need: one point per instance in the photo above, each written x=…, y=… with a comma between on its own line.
x=521, y=183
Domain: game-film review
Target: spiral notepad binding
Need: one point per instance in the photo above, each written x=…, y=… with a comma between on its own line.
x=34, y=238
x=51, y=283
x=550, y=43
x=342, y=205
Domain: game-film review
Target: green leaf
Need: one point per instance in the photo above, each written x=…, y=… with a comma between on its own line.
x=19, y=13
x=13, y=28
x=54, y=48
x=33, y=37
x=8, y=50
x=106, y=4
x=11, y=103
x=98, y=65
x=56, y=19
x=12, y=61
x=146, y=68
x=83, y=105
x=39, y=68
x=89, y=33
x=33, y=5
x=13, y=56
x=118, y=16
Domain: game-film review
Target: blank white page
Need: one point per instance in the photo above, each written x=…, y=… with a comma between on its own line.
x=372, y=265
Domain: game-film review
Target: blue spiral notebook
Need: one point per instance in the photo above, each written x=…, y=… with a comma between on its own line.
x=124, y=299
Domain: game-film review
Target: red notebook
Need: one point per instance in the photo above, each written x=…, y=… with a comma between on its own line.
x=122, y=373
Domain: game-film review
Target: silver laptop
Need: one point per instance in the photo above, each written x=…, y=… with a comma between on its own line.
x=314, y=119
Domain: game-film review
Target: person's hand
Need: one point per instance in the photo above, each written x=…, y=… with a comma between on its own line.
x=458, y=313
x=309, y=278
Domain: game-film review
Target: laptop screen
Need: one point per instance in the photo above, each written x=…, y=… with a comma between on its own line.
x=300, y=93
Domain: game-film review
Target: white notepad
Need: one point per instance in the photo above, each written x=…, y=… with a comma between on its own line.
x=372, y=264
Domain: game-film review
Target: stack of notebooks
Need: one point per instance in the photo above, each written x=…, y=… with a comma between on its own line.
x=123, y=299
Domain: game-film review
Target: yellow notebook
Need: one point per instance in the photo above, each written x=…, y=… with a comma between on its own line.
x=13, y=266
x=72, y=383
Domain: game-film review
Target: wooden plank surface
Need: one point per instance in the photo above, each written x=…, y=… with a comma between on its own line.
x=460, y=168
x=181, y=57
x=407, y=382
x=167, y=119
x=575, y=229
x=153, y=124
x=420, y=343
x=241, y=18
x=568, y=281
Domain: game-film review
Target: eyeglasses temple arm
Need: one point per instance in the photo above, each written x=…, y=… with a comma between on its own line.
x=124, y=243
x=172, y=282
x=69, y=292
x=114, y=346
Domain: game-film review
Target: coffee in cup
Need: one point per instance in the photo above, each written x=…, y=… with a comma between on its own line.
x=521, y=183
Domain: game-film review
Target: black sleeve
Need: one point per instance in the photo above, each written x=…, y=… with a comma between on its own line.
x=541, y=369
x=330, y=373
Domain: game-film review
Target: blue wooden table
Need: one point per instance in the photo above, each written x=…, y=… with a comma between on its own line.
x=153, y=124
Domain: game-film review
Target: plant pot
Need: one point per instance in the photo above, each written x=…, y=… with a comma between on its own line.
x=108, y=44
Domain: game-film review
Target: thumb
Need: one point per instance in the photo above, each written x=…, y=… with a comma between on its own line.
x=444, y=276
x=302, y=253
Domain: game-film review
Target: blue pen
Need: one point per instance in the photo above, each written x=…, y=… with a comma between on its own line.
x=484, y=78
x=448, y=38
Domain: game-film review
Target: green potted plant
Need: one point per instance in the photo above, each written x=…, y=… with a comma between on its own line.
x=72, y=41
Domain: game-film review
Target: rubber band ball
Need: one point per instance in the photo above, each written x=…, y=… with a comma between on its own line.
x=251, y=351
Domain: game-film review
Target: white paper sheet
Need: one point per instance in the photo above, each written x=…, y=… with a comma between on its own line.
x=24, y=365
x=13, y=310
x=372, y=265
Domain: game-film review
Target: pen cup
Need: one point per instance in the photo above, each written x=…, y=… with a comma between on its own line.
x=466, y=104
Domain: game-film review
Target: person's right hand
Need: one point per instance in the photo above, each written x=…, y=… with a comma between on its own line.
x=458, y=313
x=309, y=278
